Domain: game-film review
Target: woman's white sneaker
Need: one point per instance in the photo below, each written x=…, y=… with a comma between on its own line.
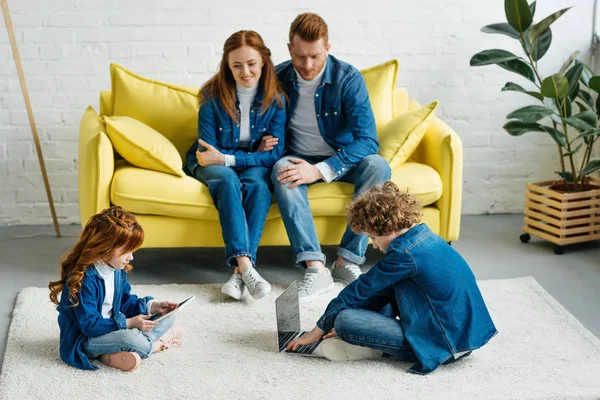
x=335, y=349
x=257, y=286
x=234, y=287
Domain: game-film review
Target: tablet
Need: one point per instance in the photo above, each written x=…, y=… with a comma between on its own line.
x=158, y=317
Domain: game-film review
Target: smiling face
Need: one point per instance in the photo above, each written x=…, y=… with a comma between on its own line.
x=246, y=65
x=308, y=57
x=120, y=259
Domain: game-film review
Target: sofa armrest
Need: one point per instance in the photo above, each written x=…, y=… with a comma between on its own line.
x=96, y=166
x=441, y=148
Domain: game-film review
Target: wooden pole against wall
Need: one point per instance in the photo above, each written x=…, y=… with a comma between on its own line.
x=36, y=139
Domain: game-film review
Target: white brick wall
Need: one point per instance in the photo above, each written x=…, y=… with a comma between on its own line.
x=67, y=45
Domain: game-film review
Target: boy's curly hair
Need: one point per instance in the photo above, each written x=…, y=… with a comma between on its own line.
x=382, y=210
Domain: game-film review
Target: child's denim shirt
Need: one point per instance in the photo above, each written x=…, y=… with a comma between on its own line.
x=85, y=320
x=441, y=310
x=344, y=113
x=218, y=129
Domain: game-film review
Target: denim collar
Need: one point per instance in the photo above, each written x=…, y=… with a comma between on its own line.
x=327, y=75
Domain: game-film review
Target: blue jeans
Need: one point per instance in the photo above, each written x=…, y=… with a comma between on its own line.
x=243, y=198
x=127, y=340
x=298, y=220
x=376, y=330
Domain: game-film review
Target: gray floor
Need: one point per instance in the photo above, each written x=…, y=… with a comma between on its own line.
x=490, y=243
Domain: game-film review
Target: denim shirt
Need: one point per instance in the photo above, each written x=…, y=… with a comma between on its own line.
x=344, y=113
x=218, y=129
x=441, y=310
x=85, y=320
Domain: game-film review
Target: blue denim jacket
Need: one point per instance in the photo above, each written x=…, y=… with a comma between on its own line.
x=344, y=113
x=85, y=320
x=217, y=128
x=441, y=310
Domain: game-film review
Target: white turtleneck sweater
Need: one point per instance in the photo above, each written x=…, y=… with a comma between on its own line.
x=246, y=97
x=305, y=138
x=107, y=273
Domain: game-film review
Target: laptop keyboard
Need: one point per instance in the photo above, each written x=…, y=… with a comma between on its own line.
x=286, y=337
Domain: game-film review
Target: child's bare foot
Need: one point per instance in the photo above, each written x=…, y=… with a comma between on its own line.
x=123, y=360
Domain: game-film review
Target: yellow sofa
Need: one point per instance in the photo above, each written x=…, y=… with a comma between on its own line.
x=177, y=211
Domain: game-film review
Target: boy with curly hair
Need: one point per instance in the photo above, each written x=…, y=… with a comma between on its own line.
x=420, y=304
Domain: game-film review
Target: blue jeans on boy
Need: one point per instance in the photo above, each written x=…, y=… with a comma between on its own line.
x=298, y=219
x=243, y=198
x=127, y=340
x=376, y=330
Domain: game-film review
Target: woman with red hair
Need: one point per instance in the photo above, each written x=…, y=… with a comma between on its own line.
x=242, y=103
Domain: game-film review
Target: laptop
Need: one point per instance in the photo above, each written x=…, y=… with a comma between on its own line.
x=287, y=309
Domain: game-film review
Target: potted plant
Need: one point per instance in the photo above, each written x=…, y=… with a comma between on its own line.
x=567, y=210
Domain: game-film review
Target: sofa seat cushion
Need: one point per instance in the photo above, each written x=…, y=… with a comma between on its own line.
x=144, y=191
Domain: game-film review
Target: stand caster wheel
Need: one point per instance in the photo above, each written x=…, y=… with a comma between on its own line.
x=558, y=249
x=526, y=237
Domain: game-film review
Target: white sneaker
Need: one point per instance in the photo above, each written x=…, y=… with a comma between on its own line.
x=346, y=273
x=335, y=349
x=234, y=287
x=257, y=286
x=314, y=284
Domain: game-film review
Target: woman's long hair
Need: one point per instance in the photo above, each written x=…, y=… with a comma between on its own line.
x=112, y=229
x=222, y=84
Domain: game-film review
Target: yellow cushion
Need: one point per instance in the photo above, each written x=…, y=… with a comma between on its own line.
x=381, y=84
x=171, y=110
x=399, y=138
x=143, y=191
x=400, y=101
x=142, y=146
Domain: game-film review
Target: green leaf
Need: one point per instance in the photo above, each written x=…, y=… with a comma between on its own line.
x=573, y=75
x=502, y=28
x=589, y=120
x=582, y=106
x=532, y=8
x=567, y=176
x=591, y=167
x=518, y=14
x=570, y=153
x=544, y=24
x=594, y=83
x=540, y=47
x=555, y=86
x=587, y=73
x=568, y=62
x=557, y=135
x=585, y=96
x=493, y=56
x=518, y=128
x=587, y=134
x=530, y=113
x=520, y=67
x=509, y=86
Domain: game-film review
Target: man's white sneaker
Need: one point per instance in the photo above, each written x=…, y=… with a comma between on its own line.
x=335, y=349
x=234, y=287
x=257, y=286
x=313, y=284
x=346, y=273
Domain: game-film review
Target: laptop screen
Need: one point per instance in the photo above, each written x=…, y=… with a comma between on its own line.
x=287, y=308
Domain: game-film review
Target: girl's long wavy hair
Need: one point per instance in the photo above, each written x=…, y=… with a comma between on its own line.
x=111, y=230
x=222, y=84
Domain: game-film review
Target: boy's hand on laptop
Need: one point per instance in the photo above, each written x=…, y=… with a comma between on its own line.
x=330, y=334
x=307, y=338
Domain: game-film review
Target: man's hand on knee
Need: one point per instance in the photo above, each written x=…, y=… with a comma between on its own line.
x=300, y=172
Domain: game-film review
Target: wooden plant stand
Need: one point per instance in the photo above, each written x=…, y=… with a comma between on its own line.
x=562, y=218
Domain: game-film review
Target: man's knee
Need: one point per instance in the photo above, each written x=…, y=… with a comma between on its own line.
x=375, y=165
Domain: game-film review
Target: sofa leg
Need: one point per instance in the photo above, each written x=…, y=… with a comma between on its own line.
x=450, y=242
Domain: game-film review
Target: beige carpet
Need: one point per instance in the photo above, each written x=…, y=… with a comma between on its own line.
x=541, y=352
